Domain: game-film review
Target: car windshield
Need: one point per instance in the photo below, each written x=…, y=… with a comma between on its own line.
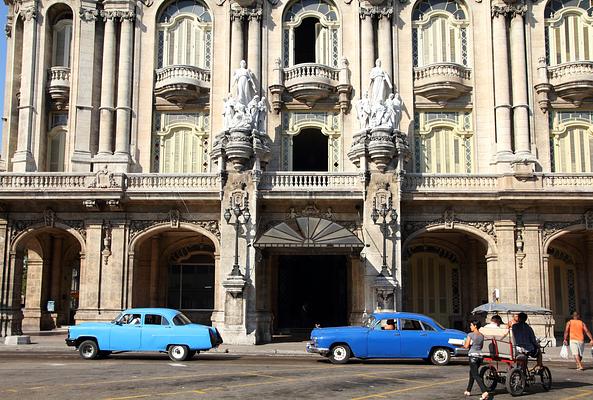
x=117, y=318
x=438, y=324
x=370, y=322
x=181, y=319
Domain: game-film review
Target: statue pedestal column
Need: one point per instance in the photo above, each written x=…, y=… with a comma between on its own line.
x=381, y=147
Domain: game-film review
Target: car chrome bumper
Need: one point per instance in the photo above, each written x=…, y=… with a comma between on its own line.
x=311, y=348
x=70, y=342
x=460, y=352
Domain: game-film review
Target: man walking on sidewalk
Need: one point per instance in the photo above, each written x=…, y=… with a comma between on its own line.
x=575, y=331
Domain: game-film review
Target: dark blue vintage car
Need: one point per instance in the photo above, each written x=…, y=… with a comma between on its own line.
x=144, y=329
x=389, y=335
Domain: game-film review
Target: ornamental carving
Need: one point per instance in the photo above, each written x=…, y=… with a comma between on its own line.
x=510, y=10
x=385, y=11
x=104, y=179
x=49, y=219
x=29, y=13
x=118, y=15
x=88, y=14
x=246, y=14
x=8, y=30
x=138, y=226
x=410, y=227
x=551, y=228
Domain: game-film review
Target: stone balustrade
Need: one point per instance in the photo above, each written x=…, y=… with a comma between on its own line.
x=311, y=181
x=442, y=82
x=58, y=86
x=181, y=84
x=310, y=71
x=568, y=181
x=47, y=181
x=572, y=81
x=161, y=182
x=447, y=183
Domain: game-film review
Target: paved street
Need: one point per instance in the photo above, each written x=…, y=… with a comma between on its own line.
x=53, y=375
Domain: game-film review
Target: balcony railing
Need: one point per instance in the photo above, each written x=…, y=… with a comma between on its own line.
x=572, y=81
x=568, y=180
x=58, y=86
x=46, y=181
x=461, y=182
x=442, y=82
x=163, y=182
x=311, y=181
x=182, y=83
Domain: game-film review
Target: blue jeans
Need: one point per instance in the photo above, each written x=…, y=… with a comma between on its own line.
x=474, y=366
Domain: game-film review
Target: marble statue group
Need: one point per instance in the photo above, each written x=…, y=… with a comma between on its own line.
x=379, y=107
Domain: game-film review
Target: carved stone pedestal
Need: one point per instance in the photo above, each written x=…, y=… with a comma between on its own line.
x=239, y=148
x=381, y=147
x=384, y=287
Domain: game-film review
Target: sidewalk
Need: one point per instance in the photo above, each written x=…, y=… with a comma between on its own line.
x=54, y=342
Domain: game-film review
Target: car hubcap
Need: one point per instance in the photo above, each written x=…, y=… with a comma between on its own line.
x=339, y=353
x=87, y=351
x=177, y=352
x=440, y=356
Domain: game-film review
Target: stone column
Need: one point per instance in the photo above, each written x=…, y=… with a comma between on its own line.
x=90, y=274
x=23, y=157
x=34, y=295
x=154, y=270
x=124, y=87
x=519, y=74
x=236, y=39
x=254, y=45
x=384, y=41
x=107, y=85
x=504, y=271
x=83, y=101
x=502, y=105
x=367, y=53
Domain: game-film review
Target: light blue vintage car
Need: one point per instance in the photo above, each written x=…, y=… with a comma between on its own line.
x=389, y=335
x=144, y=329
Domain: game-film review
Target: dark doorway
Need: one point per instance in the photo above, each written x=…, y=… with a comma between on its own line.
x=311, y=290
x=304, y=41
x=309, y=151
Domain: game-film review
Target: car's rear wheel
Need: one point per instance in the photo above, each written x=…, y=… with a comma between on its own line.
x=88, y=350
x=339, y=354
x=440, y=356
x=178, y=352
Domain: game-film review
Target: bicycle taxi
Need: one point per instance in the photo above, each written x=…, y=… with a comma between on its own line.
x=505, y=362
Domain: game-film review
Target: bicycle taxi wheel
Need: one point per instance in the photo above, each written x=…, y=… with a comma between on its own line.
x=546, y=378
x=489, y=375
x=515, y=381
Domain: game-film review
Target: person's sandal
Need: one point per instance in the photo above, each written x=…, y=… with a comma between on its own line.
x=466, y=393
x=485, y=396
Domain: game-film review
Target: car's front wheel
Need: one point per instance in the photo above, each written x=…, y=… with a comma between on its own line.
x=440, y=356
x=88, y=350
x=178, y=352
x=339, y=354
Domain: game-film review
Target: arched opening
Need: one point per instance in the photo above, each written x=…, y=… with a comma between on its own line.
x=310, y=151
x=306, y=34
x=570, y=277
x=175, y=268
x=445, y=276
x=47, y=276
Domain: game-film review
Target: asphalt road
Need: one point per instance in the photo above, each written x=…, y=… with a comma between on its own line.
x=37, y=375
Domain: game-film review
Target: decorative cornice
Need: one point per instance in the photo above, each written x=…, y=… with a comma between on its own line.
x=376, y=12
x=508, y=10
x=88, y=14
x=121, y=15
x=246, y=14
x=138, y=226
x=49, y=219
x=449, y=220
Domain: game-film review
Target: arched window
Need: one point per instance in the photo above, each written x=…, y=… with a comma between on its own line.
x=571, y=142
x=439, y=33
x=307, y=22
x=443, y=143
x=569, y=31
x=61, y=42
x=184, y=35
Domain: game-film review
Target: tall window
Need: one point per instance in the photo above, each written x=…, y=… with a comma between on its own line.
x=61, y=42
x=308, y=22
x=569, y=31
x=571, y=141
x=443, y=143
x=439, y=33
x=184, y=35
x=56, y=149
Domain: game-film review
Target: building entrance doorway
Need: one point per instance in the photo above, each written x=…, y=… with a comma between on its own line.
x=312, y=289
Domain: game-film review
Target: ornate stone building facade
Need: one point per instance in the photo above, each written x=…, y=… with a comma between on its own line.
x=265, y=165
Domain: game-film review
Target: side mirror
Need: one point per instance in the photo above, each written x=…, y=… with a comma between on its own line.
x=118, y=323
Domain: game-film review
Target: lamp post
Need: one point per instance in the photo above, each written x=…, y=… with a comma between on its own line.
x=388, y=216
x=237, y=211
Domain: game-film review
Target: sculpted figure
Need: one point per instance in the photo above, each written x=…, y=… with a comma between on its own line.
x=229, y=111
x=244, y=82
x=262, y=109
x=397, y=111
x=363, y=110
x=252, y=111
x=380, y=83
x=378, y=112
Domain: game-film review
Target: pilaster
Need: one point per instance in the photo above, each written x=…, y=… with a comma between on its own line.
x=90, y=276
x=502, y=274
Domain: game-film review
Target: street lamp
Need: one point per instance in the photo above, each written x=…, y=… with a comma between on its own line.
x=237, y=211
x=388, y=216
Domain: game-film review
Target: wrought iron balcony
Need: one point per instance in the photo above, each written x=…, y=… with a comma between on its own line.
x=310, y=82
x=181, y=84
x=58, y=86
x=572, y=81
x=442, y=82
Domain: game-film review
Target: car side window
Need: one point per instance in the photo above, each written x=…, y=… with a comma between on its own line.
x=164, y=321
x=153, y=319
x=428, y=327
x=130, y=319
x=410, y=325
x=387, y=324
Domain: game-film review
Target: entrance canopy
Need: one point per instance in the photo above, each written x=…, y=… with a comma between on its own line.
x=309, y=232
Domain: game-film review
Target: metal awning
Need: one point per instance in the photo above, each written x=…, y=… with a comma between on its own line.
x=309, y=232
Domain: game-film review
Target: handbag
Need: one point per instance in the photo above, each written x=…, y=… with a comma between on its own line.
x=564, y=351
